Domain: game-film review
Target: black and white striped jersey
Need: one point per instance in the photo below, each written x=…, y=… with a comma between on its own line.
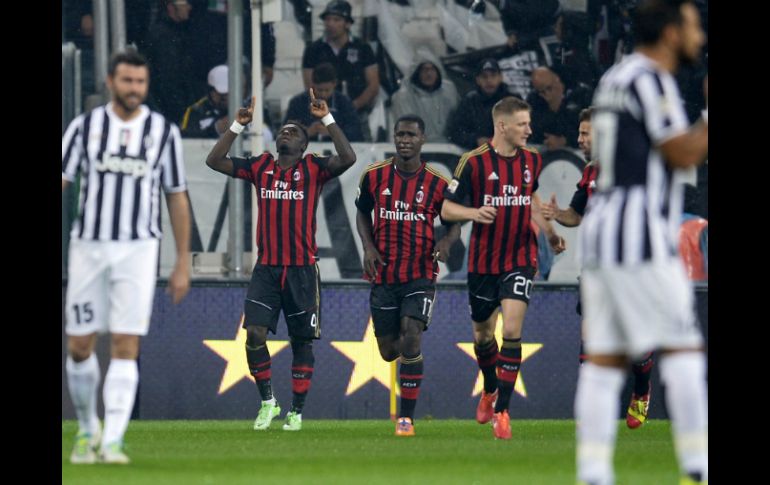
x=123, y=166
x=634, y=215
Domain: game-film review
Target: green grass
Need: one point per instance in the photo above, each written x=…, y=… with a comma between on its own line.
x=366, y=452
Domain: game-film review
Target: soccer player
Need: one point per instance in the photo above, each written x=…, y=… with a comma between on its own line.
x=400, y=256
x=571, y=217
x=635, y=291
x=286, y=274
x=125, y=154
x=500, y=178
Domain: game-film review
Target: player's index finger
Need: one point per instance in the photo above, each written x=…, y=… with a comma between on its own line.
x=253, y=103
x=312, y=95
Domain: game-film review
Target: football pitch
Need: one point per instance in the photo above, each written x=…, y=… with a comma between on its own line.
x=366, y=452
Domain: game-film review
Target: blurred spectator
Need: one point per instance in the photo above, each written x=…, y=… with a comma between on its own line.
x=524, y=21
x=429, y=94
x=555, y=105
x=554, y=135
x=78, y=28
x=352, y=58
x=210, y=43
x=568, y=49
x=169, y=53
x=324, y=81
x=207, y=117
x=471, y=123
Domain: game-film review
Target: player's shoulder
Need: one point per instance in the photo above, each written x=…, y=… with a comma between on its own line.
x=471, y=157
x=318, y=158
x=475, y=153
x=373, y=167
x=531, y=149
x=433, y=171
x=262, y=158
x=379, y=165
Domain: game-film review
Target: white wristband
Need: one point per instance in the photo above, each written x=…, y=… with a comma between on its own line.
x=327, y=120
x=237, y=128
x=705, y=114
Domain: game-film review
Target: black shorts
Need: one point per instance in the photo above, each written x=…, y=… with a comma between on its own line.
x=390, y=303
x=293, y=289
x=485, y=291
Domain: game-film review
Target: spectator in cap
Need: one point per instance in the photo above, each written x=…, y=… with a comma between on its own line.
x=207, y=117
x=471, y=123
x=352, y=58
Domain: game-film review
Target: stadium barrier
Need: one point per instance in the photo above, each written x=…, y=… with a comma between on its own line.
x=193, y=363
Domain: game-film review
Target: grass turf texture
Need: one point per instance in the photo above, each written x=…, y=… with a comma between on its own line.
x=353, y=451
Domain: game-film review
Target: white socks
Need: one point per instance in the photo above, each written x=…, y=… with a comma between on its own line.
x=119, y=393
x=597, y=405
x=83, y=381
x=684, y=374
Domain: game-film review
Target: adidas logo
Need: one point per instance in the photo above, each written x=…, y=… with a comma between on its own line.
x=386, y=192
x=493, y=176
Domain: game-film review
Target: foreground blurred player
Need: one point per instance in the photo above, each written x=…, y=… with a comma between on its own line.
x=399, y=257
x=635, y=291
x=501, y=178
x=286, y=274
x=636, y=415
x=125, y=154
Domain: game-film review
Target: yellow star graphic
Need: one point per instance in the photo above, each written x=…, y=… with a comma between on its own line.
x=526, y=352
x=234, y=353
x=368, y=362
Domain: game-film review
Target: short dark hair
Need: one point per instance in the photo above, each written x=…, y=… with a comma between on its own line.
x=651, y=17
x=324, y=73
x=585, y=114
x=301, y=127
x=509, y=105
x=128, y=56
x=411, y=119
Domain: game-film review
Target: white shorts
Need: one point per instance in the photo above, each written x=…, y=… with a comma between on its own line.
x=111, y=286
x=636, y=310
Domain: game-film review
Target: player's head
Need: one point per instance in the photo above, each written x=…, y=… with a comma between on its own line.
x=409, y=136
x=674, y=24
x=128, y=78
x=292, y=139
x=324, y=81
x=511, y=117
x=584, y=131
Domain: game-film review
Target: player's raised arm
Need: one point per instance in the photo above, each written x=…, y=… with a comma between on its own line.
x=217, y=157
x=345, y=157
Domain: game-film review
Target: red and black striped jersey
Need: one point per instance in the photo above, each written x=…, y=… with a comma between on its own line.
x=287, y=200
x=405, y=207
x=506, y=183
x=585, y=188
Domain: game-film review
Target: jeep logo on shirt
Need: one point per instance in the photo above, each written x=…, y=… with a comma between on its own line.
x=136, y=167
